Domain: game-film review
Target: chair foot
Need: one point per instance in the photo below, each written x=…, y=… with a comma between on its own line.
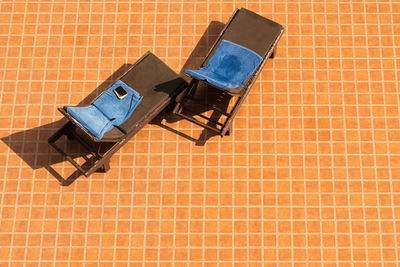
x=69, y=132
x=229, y=130
x=273, y=54
x=105, y=167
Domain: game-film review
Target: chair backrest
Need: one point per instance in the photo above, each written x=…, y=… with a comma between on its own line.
x=233, y=63
x=250, y=30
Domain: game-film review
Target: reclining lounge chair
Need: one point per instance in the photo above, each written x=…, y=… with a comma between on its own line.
x=232, y=65
x=154, y=84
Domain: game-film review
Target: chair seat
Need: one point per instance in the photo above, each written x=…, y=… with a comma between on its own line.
x=230, y=66
x=107, y=111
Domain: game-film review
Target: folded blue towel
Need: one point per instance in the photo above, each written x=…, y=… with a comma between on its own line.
x=107, y=111
x=229, y=67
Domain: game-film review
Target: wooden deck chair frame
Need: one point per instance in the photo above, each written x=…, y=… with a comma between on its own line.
x=224, y=128
x=152, y=79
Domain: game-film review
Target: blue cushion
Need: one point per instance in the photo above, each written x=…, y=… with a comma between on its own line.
x=107, y=111
x=229, y=67
x=118, y=109
x=91, y=119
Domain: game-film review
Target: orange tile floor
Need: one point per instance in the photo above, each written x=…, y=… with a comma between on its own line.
x=309, y=176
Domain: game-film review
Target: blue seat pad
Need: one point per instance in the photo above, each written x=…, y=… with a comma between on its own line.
x=229, y=67
x=107, y=111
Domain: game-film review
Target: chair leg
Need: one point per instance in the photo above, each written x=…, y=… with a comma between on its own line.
x=52, y=141
x=187, y=93
x=228, y=132
x=273, y=54
x=69, y=133
x=105, y=167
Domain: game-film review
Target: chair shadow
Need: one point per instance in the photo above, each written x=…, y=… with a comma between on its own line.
x=32, y=147
x=204, y=92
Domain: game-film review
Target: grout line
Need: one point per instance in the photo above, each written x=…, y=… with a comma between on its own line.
x=392, y=191
x=257, y=117
x=359, y=144
x=277, y=258
x=146, y=212
x=102, y=193
x=374, y=148
x=290, y=154
x=86, y=236
x=252, y=94
x=317, y=116
x=361, y=141
x=37, y=138
x=214, y=12
x=134, y=141
x=117, y=208
x=261, y=163
x=211, y=234
x=205, y=175
x=37, y=143
x=255, y=93
x=75, y=184
x=86, y=58
x=160, y=225
x=199, y=35
x=304, y=160
x=335, y=216
x=234, y=175
x=349, y=213
x=7, y=51
x=215, y=206
x=245, y=106
x=190, y=150
x=24, y=142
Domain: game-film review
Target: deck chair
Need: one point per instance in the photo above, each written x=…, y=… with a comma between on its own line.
x=232, y=65
x=155, y=84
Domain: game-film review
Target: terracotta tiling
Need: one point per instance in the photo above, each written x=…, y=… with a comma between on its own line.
x=309, y=176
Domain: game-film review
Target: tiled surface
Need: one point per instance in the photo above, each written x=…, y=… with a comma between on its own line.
x=310, y=175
